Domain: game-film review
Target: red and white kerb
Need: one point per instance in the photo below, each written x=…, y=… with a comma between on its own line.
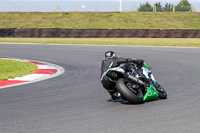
x=44, y=70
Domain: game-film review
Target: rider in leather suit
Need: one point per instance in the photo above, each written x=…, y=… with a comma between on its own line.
x=111, y=60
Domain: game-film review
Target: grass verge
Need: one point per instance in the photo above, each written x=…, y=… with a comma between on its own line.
x=101, y=20
x=12, y=69
x=171, y=42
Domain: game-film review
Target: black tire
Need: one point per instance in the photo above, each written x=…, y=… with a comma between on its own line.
x=127, y=94
x=162, y=94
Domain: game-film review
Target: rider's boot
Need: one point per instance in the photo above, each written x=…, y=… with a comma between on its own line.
x=116, y=96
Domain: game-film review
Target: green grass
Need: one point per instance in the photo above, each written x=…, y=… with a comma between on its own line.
x=100, y=20
x=172, y=42
x=12, y=69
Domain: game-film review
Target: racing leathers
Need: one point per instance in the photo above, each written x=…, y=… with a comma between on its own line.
x=115, y=62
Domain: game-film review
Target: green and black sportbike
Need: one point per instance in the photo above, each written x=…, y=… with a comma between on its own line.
x=137, y=86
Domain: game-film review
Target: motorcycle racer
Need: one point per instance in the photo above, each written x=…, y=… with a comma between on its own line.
x=111, y=60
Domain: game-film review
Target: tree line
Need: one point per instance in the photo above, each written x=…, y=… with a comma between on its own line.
x=183, y=6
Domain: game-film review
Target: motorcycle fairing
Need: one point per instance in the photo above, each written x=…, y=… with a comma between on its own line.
x=151, y=94
x=145, y=65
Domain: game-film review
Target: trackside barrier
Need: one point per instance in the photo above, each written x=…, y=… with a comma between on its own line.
x=99, y=33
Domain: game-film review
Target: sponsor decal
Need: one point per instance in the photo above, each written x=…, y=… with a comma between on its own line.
x=149, y=93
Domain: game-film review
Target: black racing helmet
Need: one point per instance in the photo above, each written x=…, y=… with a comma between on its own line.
x=110, y=54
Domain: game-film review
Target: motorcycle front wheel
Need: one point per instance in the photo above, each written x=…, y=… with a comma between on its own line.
x=135, y=97
x=162, y=94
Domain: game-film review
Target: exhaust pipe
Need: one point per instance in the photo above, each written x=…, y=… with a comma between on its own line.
x=131, y=77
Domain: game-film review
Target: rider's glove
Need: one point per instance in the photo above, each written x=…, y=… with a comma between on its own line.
x=140, y=63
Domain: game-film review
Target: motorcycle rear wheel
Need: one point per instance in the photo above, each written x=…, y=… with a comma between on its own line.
x=127, y=93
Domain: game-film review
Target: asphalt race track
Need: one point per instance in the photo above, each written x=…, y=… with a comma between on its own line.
x=75, y=102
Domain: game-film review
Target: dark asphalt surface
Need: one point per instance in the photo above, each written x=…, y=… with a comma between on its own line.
x=75, y=102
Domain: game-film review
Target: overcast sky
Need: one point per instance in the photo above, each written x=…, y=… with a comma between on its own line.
x=80, y=5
